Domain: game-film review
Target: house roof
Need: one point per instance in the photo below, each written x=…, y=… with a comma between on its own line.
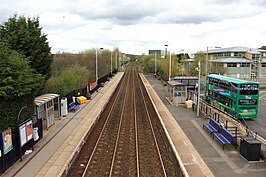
x=230, y=60
x=40, y=100
x=254, y=52
x=235, y=49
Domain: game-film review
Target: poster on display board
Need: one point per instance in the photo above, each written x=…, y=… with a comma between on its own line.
x=29, y=130
x=23, y=135
x=7, y=141
x=26, y=131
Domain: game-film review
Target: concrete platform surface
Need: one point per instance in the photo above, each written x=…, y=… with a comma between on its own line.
x=227, y=162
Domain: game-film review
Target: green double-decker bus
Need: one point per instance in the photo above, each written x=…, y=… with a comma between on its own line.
x=239, y=98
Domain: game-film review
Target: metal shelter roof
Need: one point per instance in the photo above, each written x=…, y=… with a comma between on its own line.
x=186, y=77
x=40, y=100
x=175, y=83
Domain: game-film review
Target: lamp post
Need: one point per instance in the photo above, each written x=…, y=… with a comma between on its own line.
x=207, y=57
x=170, y=61
x=97, y=66
x=165, y=50
x=257, y=75
x=198, y=96
x=111, y=62
x=116, y=60
x=155, y=64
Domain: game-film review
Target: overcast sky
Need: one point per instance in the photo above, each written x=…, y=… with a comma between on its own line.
x=135, y=26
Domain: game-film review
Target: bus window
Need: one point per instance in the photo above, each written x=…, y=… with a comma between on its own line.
x=247, y=102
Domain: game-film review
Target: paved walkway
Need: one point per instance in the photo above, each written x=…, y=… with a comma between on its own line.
x=227, y=162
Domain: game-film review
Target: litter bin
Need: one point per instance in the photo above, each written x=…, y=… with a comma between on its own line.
x=250, y=148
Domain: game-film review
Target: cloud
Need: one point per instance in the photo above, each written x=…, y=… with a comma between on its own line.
x=137, y=26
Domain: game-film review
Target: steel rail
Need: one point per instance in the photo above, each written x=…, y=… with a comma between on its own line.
x=136, y=129
x=153, y=133
x=119, y=127
x=98, y=140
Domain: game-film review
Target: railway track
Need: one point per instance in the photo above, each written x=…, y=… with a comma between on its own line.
x=128, y=139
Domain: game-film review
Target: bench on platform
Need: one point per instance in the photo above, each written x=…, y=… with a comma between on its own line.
x=224, y=137
x=73, y=106
x=212, y=126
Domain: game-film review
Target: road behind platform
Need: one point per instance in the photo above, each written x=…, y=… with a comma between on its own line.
x=227, y=162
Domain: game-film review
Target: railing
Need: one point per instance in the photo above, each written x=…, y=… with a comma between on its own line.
x=208, y=111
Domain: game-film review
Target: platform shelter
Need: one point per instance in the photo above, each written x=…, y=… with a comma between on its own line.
x=177, y=92
x=47, y=109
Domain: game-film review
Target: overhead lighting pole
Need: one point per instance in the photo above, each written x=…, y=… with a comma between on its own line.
x=198, y=96
x=97, y=66
x=170, y=63
x=155, y=64
x=116, y=60
x=207, y=57
x=165, y=50
x=111, y=62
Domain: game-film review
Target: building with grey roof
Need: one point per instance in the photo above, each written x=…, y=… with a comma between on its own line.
x=238, y=62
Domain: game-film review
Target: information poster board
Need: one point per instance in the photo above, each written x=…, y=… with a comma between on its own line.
x=29, y=130
x=7, y=141
x=26, y=130
x=93, y=85
x=23, y=135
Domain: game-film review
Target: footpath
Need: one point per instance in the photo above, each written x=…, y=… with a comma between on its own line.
x=227, y=162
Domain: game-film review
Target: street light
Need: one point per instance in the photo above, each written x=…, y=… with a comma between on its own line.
x=155, y=63
x=116, y=60
x=257, y=75
x=111, y=62
x=207, y=57
x=198, y=98
x=170, y=66
x=165, y=50
x=97, y=65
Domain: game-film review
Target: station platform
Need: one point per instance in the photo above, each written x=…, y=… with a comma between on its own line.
x=227, y=162
x=198, y=152
x=54, y=152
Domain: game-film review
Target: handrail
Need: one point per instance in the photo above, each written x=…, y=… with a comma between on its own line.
x=243, y=129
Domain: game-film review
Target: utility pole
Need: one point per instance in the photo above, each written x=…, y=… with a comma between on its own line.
x=198, y=99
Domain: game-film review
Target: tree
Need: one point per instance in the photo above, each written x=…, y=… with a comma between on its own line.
x=199, y=57
x=24, y=35
x=68, y=79
x=17, y=78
